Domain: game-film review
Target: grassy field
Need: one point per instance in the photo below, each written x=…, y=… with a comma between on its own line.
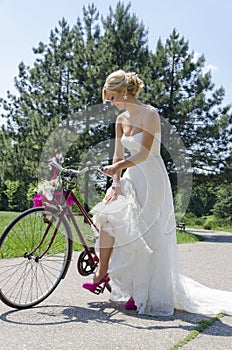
x=7, y=217
x=206, y=222
x=187, y=237
x=182, y=237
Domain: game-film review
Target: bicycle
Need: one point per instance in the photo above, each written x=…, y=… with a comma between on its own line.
x=36, y=247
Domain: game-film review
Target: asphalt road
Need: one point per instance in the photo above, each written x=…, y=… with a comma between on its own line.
x=72, y=318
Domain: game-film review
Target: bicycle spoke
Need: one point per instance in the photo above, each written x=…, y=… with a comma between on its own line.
x=25, y=278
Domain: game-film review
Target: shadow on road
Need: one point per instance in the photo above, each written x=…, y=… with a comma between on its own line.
x=107, y=312
x=213, y=236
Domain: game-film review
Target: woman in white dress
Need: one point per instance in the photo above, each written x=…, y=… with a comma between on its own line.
x=137, y=244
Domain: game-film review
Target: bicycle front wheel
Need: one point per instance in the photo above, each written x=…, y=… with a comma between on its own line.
x=29, y=271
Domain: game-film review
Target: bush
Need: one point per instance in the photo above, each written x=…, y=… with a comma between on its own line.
x=16, y=196
x=223, y=206
x=202, y=200
x=199, y=222
x=191, y=220
x=209, y=224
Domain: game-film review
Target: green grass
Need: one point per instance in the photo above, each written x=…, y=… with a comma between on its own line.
x=182, y=237
x=25, y=234
x=5, y=219
x=202, y=325
x=187, y=237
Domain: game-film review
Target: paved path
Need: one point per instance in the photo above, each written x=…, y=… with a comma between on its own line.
x=213, y=236
x=71, y=318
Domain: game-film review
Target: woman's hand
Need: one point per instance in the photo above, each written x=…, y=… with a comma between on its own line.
x=113, y=194
x=111, y=169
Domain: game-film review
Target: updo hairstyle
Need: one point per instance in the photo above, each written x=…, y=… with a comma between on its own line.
x=120, y=80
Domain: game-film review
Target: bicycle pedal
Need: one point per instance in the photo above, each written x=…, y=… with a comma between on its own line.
x=98, y=290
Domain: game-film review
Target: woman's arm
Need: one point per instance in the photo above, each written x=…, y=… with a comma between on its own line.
x=119, y=149
x=118, y=156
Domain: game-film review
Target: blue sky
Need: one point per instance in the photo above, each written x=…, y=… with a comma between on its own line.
x=206, y=24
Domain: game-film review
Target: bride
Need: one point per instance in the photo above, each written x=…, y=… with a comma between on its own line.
x=137, y=244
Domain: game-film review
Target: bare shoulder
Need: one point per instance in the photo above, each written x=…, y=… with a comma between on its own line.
x=119, y=125
x=152, y=111
x=120, y=118
x=152, y=118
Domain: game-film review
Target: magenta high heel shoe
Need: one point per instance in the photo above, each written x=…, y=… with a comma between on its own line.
x=130, y=305
x=96, y=288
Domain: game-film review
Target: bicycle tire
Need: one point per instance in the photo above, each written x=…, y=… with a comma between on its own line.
x=28, y=279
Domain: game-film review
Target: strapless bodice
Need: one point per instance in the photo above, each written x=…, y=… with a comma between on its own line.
x=133, y=143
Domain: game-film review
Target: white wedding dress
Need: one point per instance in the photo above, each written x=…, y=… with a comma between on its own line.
x=144, y=263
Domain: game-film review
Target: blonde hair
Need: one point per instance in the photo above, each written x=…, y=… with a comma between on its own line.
x=119, y=80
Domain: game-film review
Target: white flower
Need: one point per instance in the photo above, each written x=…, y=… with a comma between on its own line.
x=47, y=188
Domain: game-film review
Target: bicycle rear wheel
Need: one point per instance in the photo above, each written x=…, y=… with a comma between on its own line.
x=27, y=276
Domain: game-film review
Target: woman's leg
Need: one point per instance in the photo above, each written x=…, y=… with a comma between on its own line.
x=105, y=249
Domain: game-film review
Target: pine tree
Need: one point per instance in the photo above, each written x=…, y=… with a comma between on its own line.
x=123, y=46
x=125, y=40
x=59, y=98
x=186, y=98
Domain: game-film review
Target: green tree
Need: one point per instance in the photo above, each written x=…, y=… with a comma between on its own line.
x=67, y=75
x=202, y=200
x=125, y=39
x=186, y=97
x=125, y=45
x=13, y=192
x=223, y=206
x=66, y=80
